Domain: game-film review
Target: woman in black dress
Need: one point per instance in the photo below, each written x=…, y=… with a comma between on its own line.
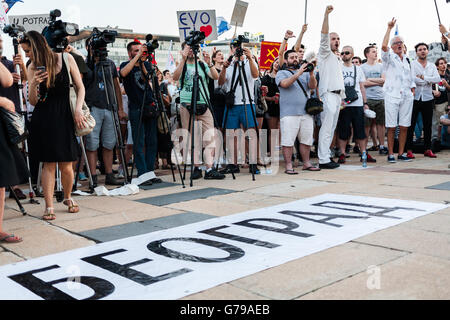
x=52, y=129
x=13, y=170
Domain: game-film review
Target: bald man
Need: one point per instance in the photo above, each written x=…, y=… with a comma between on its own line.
x=331, y=90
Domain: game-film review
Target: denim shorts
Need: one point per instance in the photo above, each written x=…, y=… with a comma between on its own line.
x=235, y=117
x=104, y=127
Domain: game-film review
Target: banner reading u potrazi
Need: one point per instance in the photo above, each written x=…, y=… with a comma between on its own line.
x=171, y=264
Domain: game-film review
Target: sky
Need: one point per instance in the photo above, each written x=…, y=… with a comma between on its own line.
x=357, y=22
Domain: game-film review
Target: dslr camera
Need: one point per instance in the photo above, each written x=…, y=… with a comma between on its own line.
x=237, y=43
x=309, y=67
x=57, y=31
x=100, y=40
x=151, y=44
x=195, y=38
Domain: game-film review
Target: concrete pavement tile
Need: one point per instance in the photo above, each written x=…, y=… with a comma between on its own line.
x=411, y=240
x=114, y=219
x=225, y=292
x=22, y=223
x=44, y=240
x=185, y=196
x=413, y=277
x=8, y=258
x=288, y=188
x=252, y=199
x=109, y=204
x=432, y=222
x=216, y=208
x=301, y=276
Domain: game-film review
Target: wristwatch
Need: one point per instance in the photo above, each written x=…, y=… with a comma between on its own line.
x=210, y=66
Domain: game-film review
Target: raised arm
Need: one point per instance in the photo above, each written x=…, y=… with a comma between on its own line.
x=325, y=25
x=288, y=35
x=387, y=36
x=298, y=44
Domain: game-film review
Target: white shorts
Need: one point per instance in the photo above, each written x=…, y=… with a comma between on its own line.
x=297, y=126
x=399, y=111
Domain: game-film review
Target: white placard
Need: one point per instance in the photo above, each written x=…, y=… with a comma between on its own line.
x=31, y=22
x=200, y=20
x=239, y=12
x=3, y=18
x=174, y=263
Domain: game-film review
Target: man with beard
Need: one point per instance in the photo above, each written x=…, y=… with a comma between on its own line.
x=294, y=84
x=399, y=88
x=331, y=90
x=425, y=75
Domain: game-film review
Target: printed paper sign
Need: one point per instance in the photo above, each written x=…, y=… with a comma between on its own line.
x=174, y=263
x=203, y=20
x=239, y=12
x=269, y=52
x=36, y=22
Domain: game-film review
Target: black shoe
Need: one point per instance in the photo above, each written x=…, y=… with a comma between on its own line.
x=254, y=169
x=348, y=148
x=156, y=180
x=356, y=150
x=111, y=180
x=19, y=194
x=230, y=168
x=384, y=151
x=197, y=174
x=94, y=181
x=214, y=175
x=329, y=166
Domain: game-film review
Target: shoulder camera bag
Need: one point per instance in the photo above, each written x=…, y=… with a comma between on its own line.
x=313, y=105
x=351, y=95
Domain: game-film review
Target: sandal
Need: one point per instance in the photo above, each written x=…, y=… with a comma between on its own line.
x=10, y=239
x=49, y=215
x=312, y=169
x=73, y=207
x=291, y=172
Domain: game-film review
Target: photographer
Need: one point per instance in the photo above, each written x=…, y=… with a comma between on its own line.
x=295, y=83
x=185, y=73
x=134, y=74
x=240, y=115
x=97, y=101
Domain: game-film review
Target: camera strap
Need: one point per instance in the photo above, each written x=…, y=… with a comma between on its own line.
x=234, y=81
x=300, y=84
x=354, y=78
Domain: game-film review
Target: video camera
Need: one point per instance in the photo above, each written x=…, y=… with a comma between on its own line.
x=13, y=30
x=195, y=38
x=151, y=44
x=309, y=68
x=237, y=43
x=99, y=42
x=57, y=31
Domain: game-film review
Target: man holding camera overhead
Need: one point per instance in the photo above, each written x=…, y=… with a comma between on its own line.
x=133, y=74
x=185, y=74
x=101, y=110
x=295, y=81
x=239, y=115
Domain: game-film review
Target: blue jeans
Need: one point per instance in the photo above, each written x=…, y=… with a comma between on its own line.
x=146, y=148
x=419, y=126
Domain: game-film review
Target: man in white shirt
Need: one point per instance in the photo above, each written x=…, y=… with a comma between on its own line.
x=331, y=90
x=426, y=75
x=399, y=89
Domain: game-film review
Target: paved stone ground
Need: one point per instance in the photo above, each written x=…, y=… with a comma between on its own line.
x=414, y=257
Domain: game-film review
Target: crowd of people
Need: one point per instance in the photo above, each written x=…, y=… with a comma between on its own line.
x=362, y=99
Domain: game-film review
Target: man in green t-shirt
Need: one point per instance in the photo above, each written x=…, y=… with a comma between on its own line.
x=185, y=74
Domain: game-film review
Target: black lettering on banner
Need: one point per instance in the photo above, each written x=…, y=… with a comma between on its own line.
x=126, y=271
x=234, y=252
x=382, y=213
x=46, y=290
x=302, y=214
x=288, y=230
x=215, y=233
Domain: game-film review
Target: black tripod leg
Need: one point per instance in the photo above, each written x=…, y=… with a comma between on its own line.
x=185, y=156
x=11, y=191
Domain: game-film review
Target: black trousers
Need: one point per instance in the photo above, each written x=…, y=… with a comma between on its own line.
x=426, y=108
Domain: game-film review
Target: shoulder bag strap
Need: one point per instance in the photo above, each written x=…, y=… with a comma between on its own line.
x=233, y=88
x=300, y=84
x=354, y=84
x=66, y=61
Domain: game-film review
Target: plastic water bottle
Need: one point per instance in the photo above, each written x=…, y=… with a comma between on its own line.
x=364, y=159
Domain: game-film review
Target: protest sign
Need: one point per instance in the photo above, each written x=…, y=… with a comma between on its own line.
x=238, y=17
x=31, y=22
x=269, y=52
x=200, y=20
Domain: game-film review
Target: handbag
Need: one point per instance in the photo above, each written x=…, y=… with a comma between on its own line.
x=90, y=121
x=350, y=92
x=313, y=106
x=15, y=126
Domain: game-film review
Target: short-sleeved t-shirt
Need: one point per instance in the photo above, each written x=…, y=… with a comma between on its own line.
x=349, y=76
x=186, y=91
x=134, y=85
x=374, y=72
x=238, y=91
x=292, y=99
x=95, y=86
x=12, y=93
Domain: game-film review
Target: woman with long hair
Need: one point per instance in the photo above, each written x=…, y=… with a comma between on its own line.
x=52, y=128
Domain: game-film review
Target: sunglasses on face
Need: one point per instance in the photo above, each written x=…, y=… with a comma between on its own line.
x=372, y=44
x=345, y=53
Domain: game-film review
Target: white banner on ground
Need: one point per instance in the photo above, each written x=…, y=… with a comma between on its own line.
x=31, y=22
x=201, y=20
x=174, y=263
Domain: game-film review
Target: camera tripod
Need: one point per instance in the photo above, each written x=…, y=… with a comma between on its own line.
x=239, y=69
x=31, y=193
x=194, y=103
x=151, y=76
